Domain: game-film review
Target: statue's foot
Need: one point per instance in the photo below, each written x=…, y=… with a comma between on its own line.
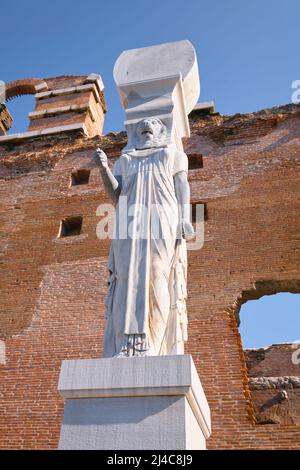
x=131, y=353
x=122, y=354
x=134, y=345
x=141, y=353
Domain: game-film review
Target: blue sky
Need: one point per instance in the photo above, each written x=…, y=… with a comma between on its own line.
x=248, y=55
x=247, y=50
x=270, y=319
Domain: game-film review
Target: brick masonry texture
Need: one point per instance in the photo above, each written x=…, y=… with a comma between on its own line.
x=271, y=370
x=65, y=100
x=5, y=119
x=53, y=289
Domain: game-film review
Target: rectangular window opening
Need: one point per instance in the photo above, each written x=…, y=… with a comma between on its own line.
x=195, y=161
x=80, y=176
x=70, y=226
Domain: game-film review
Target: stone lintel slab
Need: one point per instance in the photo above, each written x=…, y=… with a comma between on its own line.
x=70, y=90
x=16, y=138
x=61, y=110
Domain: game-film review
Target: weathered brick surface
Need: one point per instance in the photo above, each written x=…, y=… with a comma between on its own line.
x=88, y=105
x=273, y=361
x=53, y=289
x=24, y=86
x=5, y=119
x=273, y=370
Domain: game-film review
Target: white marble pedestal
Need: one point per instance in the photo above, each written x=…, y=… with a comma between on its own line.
x=154, y=403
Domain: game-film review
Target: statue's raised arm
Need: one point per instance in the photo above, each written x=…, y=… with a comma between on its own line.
x=112, y=184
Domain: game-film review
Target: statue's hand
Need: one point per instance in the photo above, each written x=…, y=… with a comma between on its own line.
x=187, y=230
x=101, y=157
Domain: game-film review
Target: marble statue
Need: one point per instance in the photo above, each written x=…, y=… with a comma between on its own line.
x=107, y=399
x=146, y=301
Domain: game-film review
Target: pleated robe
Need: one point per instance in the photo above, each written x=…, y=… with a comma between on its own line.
x=147, y=261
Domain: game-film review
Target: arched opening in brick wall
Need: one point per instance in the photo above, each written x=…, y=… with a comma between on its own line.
x=19, y=108
x=20, y=100
x=268, y=289
x=269, y=325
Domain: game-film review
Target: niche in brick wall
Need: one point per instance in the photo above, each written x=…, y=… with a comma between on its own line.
x=195, y=161
x=80, y=176
x=70, y=226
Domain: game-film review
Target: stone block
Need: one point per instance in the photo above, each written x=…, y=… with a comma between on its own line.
x=134, y=403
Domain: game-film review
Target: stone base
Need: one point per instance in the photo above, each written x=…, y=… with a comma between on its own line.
x=154, y=403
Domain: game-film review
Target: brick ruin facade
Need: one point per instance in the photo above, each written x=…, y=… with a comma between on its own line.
x=244, y=168
x=274, y=382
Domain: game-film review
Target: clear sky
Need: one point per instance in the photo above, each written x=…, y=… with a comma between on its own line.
x=270, y=319
x=248, y=55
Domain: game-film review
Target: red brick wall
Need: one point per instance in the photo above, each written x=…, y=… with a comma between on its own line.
x=76, y=105
x=273, y=361
x=53, y=289
x=273, y=371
